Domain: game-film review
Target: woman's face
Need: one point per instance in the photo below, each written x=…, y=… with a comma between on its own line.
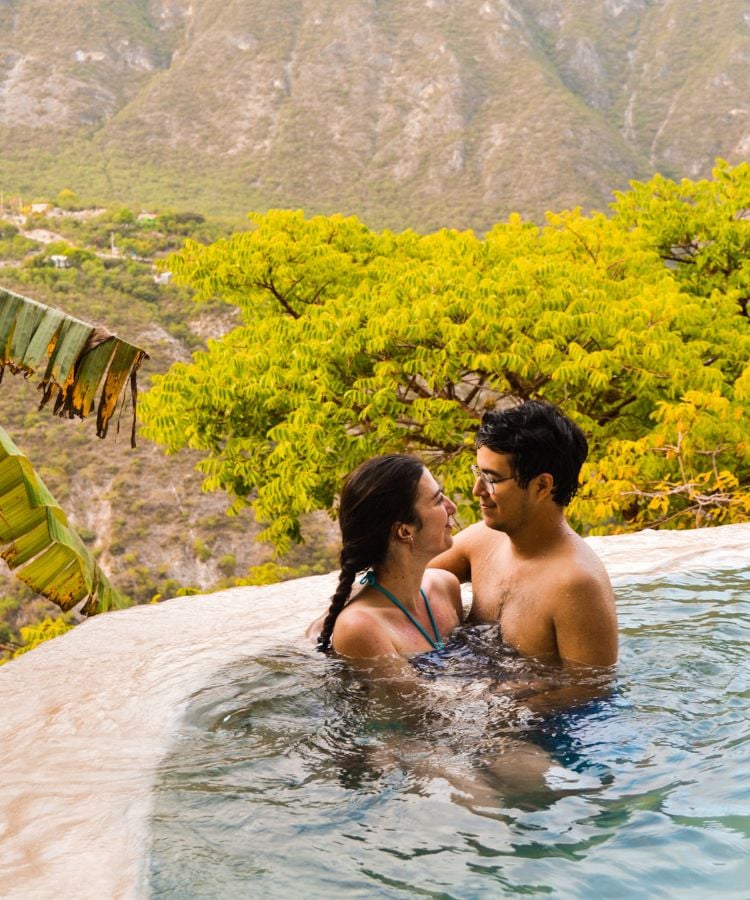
x=435, y=512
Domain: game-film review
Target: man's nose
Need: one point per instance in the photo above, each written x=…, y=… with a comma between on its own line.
x=480, y=488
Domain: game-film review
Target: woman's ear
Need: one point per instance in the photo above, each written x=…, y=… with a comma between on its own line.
x=402, y=532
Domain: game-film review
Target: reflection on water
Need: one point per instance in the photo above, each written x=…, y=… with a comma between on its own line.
x=289, y=779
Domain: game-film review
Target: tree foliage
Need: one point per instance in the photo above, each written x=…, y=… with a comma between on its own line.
x=701, y=229
x=354, y=343
x=34, y=635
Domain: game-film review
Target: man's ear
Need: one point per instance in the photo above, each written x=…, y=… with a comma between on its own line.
x=544, y=483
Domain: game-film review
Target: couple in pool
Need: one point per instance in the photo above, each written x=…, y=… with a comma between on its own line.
x=529, y=571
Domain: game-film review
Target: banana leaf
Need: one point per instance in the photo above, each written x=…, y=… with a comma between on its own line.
x=78, y=362
x=39, y=544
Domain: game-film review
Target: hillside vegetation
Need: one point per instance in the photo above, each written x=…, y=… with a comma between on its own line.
x=145, y=517
x=418, y=113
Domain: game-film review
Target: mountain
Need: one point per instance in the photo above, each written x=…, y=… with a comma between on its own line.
x=418, y=113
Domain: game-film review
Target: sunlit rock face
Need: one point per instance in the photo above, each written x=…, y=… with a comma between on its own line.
x=87, y=718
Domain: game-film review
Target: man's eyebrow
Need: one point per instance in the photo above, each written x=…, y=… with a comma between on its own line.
x=437, y=493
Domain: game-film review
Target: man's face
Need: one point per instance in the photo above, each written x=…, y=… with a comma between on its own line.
x=504, y=505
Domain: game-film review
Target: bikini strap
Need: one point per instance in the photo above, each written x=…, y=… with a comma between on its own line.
x=436, y=644
x=438, y=640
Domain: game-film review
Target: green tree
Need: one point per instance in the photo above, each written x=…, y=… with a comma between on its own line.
x=33, y=635
x=700, y=229
x=68, y=199
x=355, y=343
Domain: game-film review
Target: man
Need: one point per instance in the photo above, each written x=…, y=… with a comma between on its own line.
x=529, y=570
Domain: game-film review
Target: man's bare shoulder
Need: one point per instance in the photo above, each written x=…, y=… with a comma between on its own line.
x=468, y=545
x=477, y=533
x=579, y=601
x=584, y=583
x=585, y=618
x=590, y=570
x=477, y=539
x=579, y=572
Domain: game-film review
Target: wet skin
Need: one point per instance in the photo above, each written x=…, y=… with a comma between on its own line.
x=532, y=573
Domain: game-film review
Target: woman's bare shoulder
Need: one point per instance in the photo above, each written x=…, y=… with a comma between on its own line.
x=359, y=633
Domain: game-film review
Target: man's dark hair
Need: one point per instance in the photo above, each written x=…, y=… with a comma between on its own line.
x=538, y=438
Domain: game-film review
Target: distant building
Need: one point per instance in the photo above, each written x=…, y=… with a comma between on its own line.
x=59, y=261
x=40, y=208
x=162, y=277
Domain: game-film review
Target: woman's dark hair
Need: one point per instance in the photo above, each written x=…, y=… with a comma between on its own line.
x=377, y=495
x=538, y=438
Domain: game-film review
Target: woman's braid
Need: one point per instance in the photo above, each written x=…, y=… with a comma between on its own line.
x=338, y=601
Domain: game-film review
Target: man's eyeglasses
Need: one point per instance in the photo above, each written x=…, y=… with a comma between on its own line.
x=488, y=480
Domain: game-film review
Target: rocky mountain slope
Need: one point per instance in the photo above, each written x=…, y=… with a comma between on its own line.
x=414, y=113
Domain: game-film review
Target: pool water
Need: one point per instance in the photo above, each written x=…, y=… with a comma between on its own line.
x=288, y=779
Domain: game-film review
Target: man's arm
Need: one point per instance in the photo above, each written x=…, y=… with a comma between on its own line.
x=457, y=559
x=561, y=689
x=441, y=585
x=585, y=623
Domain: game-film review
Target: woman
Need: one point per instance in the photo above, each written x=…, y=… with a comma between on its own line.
x=394, y=519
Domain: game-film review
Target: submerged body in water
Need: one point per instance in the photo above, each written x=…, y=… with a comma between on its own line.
x=288, y=766
x=479, y=700
x=177, y=754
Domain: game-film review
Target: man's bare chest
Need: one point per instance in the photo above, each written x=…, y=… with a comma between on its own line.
x=498, y=598
x=517, y=603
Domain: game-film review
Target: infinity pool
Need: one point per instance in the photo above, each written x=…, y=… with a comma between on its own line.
x=285, y=779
